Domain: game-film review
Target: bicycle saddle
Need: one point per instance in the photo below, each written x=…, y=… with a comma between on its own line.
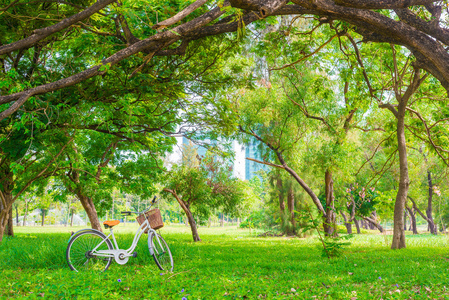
x=110, y=224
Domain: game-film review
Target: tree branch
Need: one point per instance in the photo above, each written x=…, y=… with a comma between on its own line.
x=265, y=8
x=40, y=173
x=304, y=108
x=301, y=182
x=42, y=33
x=105, y=161
x=266, y=163
x=374, y=153
x=429, y=136
x=441, y=34
x=381, y=4
x=15, y=106
x=179, y=16
x=151, y=44
x=8, y=6
x=372, y=221
x=369, y=129
x=306, y=56
x=417, y=209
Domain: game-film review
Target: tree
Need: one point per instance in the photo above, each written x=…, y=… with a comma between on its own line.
x=361, y=202
x=408, y=91
x=287, y=196
x=22, y=167
x=44, y=202
x=73, y=207
x=428, y=172
x=297, y=104
x=201, y=189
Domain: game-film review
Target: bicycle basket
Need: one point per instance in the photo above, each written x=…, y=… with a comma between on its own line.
x=154, y=217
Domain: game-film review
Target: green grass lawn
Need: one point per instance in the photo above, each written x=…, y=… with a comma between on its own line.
x=229, y=264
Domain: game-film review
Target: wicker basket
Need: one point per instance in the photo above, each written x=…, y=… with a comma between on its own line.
x=154, y=217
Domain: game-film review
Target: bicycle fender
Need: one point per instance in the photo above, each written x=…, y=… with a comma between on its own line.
x=86, y=229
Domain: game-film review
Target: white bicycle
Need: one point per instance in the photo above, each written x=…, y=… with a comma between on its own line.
x=91, y=249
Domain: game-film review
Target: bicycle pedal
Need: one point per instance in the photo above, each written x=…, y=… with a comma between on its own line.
x=135, y=254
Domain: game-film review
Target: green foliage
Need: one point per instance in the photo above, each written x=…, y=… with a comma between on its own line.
x=209, y=186
x=363, y=198
x=331, y=247
x=256, y=219
x=341, y=229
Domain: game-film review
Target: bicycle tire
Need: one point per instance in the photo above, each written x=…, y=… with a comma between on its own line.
x=162, y=256
x=78, y=256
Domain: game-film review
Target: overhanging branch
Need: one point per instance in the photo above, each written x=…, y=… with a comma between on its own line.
x=179, y=16
x=382, y=4
x=42, y=33
x=265, y=163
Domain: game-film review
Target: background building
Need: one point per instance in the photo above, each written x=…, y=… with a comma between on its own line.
x=252, y=150
x=242, y=168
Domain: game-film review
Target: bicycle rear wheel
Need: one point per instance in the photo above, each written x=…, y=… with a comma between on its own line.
x=161, y=252
x=79, y=252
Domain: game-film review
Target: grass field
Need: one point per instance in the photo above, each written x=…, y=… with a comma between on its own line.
x=229, y=264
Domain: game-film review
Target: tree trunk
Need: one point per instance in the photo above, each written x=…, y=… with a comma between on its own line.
x=6, y=198
x=10, y=228
x=401, y=197
x=86, y=201
x=365, y=224
x=416, y=209
x=432, y=226
x=281, y=196
x=405, y=220
x=291, y=209
x=43, y=216
x=412, y=220
x=3, y=222
x=91, y=212
x=357, y=226
x=26, y=212
x=329, y=224
x=373, y=222
x=71, y=217
x=222, y=220
x=347, y=224
x=185, y=208
x=192, y=223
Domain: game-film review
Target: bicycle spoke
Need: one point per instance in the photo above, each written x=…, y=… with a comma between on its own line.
x=80, y=256
x=161, y=254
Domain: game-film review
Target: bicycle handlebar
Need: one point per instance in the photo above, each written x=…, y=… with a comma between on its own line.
x=128, y=213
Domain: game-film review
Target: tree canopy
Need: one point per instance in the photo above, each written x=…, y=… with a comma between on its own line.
x=92, y=92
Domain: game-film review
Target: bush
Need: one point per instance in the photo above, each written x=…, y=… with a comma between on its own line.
x=255, y=220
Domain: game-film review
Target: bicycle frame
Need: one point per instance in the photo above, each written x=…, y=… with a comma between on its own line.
x=117, y=251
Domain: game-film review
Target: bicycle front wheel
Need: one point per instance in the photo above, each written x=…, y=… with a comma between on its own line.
x=79, y=252
x=160, y=251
